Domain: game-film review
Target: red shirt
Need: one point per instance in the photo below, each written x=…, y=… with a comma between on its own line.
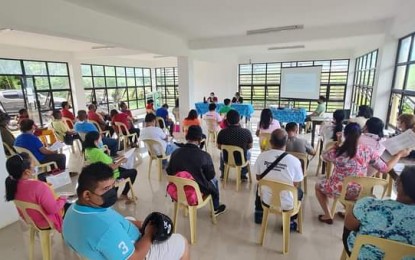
x=68, y=114
x=122, y=118
x=94, y=117
x=128, y=112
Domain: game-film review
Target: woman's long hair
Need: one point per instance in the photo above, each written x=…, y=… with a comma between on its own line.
x=352, y=133
x=338, y=117
x=90, y=139
x=192, y=115
x=266, y=118
x=15, y=166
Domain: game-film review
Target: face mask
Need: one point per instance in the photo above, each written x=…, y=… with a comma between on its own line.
x=109, y=198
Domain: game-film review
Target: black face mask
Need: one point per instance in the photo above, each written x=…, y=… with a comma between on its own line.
x=109, y=198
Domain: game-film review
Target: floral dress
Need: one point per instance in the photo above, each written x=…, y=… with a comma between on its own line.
x=345, y=166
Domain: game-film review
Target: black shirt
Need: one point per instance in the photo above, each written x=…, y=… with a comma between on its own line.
x=237, y=136
x=197, y=162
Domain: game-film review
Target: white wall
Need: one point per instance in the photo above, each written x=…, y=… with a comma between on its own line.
x=8, y=211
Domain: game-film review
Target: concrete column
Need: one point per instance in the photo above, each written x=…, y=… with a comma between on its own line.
x=384, y=77
x=78, y=92
x=185, y=68
x=349, y=87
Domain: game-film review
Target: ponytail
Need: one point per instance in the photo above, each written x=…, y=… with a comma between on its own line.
x=15, y=166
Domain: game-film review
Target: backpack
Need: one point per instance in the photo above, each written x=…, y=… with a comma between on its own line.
x=189, y=191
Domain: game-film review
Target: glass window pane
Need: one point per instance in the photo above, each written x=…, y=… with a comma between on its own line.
x=147, y=81
x=404, y=49
x=41, y=83
x=400, y=77
x=109, y=71
x=87, y=82
x=59, y=82
x=410, y=84
x=147, y=73
x=130, y=72
x=121, y=82
x=413, y=49
x=35, y=68
x=130, y=82
x=86, y=70
x=59, y=97
x=58, y=69
x=10, y=67
x=138, y=72
x=98, y=70
x=111, y=82
x=120, y=71
x=139, y=82
x=99, y=82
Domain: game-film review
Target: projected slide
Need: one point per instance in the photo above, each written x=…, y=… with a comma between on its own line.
x=301, y=82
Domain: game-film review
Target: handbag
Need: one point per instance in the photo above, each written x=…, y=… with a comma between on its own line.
x=258, y=206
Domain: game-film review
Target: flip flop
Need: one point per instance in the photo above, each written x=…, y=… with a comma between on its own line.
x=327, y=221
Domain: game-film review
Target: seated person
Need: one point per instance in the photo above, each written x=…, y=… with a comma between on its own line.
x=23, y=114
x=150, y=106
x=225, y=109
x=176, y=111
x=41, y=132
x=295, y=144
x=191, y=119
x=32, y=143
x=94, y=154
x=199, y=164
x=329, y=130
x=150, y=131
x=83, y=126
x=319, y=111
x=288, y=171
x=235, y=135
x=365, y=112
x=96, y=231
x=405, y=122
x=212, y=114
x=61, y=130
x=212, y=98
x=6, y=136
x=163, y=112
x=101, y=112
x=20, y=185
x=67, y=113
x=124, y=109
x=237, y=98
x=97, y=117
x=267, y=123
x=388, y=219
x=126, y=120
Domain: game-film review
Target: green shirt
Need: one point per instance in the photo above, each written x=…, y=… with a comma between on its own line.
x=321, y=108
x=224, y=110
x=94, y=155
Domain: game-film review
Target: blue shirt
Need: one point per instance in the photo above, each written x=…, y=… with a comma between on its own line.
x=162, y=112
x=85, y=127
x=388, y=219
x=32, y=143
x=99, y=233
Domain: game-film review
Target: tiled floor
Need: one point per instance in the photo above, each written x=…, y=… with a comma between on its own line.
x=234, y=237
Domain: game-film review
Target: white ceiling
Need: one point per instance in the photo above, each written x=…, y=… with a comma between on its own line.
x=194, y=19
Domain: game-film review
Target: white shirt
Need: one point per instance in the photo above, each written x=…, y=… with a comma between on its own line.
x=213, y=115
x=288, y=171
x=154, y=133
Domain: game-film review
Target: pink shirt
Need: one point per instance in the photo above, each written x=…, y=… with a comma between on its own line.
x=372, y=141
x=40, y=193
x=273, y=126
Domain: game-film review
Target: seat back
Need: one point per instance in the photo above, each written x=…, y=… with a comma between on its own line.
x=391, y=249
x=96, y=125
x=160, y=122
x=366, y=186
x=181, y=183
x=229, y=155
x=68, y=122
x=151, y=148
x=212, y=124
x=264, y=141
x=276, y=189
x=121, y=128
x=8, y=150
x=24, y=150
x=25, y=206
x=303, y=158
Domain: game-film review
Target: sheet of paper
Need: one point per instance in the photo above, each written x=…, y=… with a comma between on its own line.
x=56, y=146
x=403, y=141
x=398, y=168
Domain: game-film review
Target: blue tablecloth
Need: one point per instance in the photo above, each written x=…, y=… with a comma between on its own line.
x=287, y=115
x=245, y=110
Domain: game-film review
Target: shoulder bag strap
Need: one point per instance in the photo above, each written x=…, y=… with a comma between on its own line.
x=272, y=165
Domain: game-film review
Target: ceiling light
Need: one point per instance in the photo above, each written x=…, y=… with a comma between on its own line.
x=275, y=29
x=105, y=47
x=286, y=47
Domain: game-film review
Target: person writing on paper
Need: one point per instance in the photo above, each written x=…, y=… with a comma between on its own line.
x=21, y=186
x=350, y=158
x=94, y=154
x=96, y=231
x=389, y=219
x=212, y=98
x=32, y=143
x=237, y=98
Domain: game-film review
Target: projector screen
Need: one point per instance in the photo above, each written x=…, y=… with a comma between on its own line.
x=301, y=82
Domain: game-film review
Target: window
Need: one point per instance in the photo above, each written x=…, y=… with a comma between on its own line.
x=364, y=78
x=167, y=82
x=259, y=83
x=39, y=86
x=110, y=85
x=402, y=100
